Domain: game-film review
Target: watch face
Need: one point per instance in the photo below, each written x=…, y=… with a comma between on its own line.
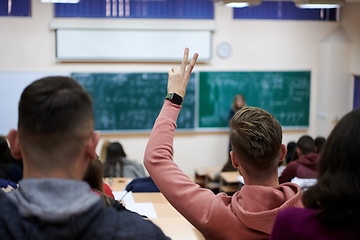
x=223, y=50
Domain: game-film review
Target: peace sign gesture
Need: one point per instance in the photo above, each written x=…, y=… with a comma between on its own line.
x=179, y=76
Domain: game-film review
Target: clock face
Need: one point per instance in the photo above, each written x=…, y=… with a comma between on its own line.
x=223, y=50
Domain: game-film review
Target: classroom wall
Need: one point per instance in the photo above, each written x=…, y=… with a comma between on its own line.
x=258, y=45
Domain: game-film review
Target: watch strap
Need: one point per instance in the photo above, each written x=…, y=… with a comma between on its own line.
x=174, y=98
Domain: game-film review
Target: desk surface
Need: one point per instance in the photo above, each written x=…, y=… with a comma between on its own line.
x=166, y=210
x=211, y=172
x=230, y=177
x=153, y=197
x=117, y=184
x=178, y=228
x=171, y=222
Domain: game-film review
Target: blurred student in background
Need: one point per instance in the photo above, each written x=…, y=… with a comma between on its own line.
x=116, y=164
x=306, y=165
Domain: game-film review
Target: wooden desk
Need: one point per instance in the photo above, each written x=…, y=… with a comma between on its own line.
x=212, y=172
x=171, y=222
x=229, y=182
x=153, y=197
x=117, y=184
x=230, y=177
x=206, y=177
x=166, y=210
x=178, y=228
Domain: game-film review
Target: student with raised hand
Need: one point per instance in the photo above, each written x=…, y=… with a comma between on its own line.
x=332, y=209
x=257, y=148
x=56, y=140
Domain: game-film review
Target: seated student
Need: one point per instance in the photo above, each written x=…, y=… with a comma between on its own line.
x=94, y=177
x=56, y=140
x=332, y=209
x=9, y=171
x=116, y=164
x=256, y=138
x=306, y=165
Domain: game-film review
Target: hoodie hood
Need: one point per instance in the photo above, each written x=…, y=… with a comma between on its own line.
x=52, y=199
x=310, y=161
x=257, y=206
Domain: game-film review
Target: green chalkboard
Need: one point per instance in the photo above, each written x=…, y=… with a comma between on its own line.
x=132, y=101
x=284, y=94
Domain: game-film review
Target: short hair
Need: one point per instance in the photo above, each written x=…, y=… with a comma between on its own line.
x=55, y=118
x=336, y=195
x=306, y=144
x=319, y=143
x=256, y=138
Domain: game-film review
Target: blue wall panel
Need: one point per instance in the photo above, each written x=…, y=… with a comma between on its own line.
x=285, y=10
x=179, y=9
x=20, y=8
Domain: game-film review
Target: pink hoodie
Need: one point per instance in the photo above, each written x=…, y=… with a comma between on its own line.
x=249, y=214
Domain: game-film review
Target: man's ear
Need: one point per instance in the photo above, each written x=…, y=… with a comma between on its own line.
x=234, y=160
x=15, y=148
x=283, y=151
x=91, y=145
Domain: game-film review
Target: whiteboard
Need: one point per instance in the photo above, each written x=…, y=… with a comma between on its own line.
x=11, y=86
x=134, y=45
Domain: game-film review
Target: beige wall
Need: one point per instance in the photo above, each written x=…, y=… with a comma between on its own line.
x=28, y=44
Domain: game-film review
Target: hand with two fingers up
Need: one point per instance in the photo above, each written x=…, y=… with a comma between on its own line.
x=179, y=76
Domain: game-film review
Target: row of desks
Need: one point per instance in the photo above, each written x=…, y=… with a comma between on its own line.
x=172, y=223
x=212, y=178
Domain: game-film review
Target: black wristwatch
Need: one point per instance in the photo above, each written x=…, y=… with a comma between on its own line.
x=174, y=98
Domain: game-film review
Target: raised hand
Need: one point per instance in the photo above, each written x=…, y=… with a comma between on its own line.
x=179, y=76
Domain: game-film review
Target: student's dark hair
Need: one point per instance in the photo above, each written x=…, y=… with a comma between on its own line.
x=54, y=105
x=256, y=138
x=5, y=155
x=336, y=195
x=319, y=143
x=55, y=115
x=94, y=175
x=290, y=151
x=114, y=154
x=306, y=144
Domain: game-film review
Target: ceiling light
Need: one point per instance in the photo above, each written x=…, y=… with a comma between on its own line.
x=238, y=3
x=60, y=1
x=319, y=4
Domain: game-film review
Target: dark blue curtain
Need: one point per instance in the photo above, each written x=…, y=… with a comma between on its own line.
x=285, y=10
x=15, y=8
x=179, y=9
